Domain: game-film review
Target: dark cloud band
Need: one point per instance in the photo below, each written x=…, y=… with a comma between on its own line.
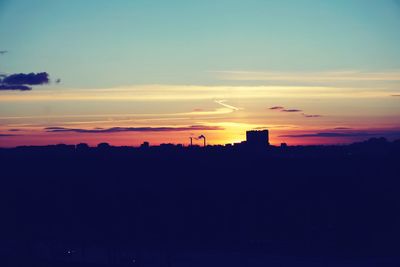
x=27, y=79
x=135, y=129
x=344, y=134
x=291, y=110
x=22, y=81
x=15, y=87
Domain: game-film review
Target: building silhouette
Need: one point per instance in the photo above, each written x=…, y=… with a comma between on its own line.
x=145, y=144
x=256, y=138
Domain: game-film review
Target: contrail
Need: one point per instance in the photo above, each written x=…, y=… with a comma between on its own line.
x=221, y=102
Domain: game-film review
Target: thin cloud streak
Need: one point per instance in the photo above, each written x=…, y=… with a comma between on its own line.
x=276, y=108
x=358, y=134
x=311, y=115
x=291, y=110
x=309, y=77
x=283, y=109
x=112, y=117
x=342, y=128
x=135, y=129
x=147, y=93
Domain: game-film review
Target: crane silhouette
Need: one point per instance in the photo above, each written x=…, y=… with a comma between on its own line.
x=198, y=138
x=204, y=139
x=191, y=141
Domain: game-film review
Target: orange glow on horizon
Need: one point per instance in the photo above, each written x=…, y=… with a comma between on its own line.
x=302, y=114
x=235, y=133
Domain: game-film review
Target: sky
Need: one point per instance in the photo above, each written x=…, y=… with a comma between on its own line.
x=128, y=71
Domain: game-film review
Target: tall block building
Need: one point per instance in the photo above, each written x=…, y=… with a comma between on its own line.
x=257, y=138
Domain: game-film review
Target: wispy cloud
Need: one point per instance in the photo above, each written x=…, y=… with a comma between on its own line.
x=276, y=127
x=291, y=110
x=283, y=109
x=135, y=129
x=7, y=135
x=327, y=134
x=276, y=108
x=359, y=134
x=126, y=117
x=311, y=115
x=342, y=128
x=192, y=92
x=309, y=77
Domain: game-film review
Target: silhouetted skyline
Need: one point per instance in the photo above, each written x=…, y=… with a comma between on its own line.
x=67, y=205
x=199, y=133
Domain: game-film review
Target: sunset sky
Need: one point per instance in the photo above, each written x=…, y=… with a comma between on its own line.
x=128, y=71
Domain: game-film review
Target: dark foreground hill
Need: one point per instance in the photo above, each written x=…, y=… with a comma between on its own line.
x=214, y=206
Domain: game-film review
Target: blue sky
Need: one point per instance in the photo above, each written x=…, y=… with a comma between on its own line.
x=110, y=43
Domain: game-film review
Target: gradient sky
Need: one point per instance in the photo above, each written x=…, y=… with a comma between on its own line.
x=162, y=71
